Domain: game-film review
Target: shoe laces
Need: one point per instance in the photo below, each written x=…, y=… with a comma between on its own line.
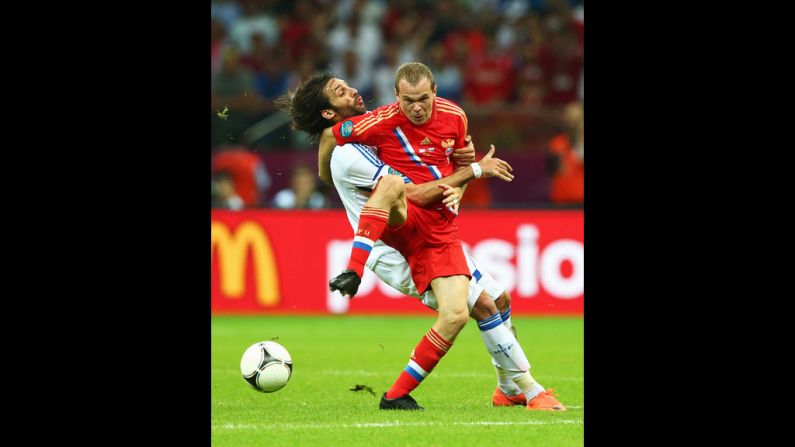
x=546, y=396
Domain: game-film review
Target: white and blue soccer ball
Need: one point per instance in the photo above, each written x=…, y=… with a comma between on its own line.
x=266, y=366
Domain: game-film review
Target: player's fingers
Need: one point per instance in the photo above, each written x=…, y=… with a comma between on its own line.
x=503, y=164
x=490, y=152
x=451, y=195
x=468, y=139
x=503, y=174
x=445, y=187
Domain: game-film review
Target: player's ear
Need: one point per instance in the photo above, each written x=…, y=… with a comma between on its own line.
x=327, y=114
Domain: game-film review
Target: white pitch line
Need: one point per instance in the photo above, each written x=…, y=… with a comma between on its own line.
x=229, y=426
x=454, y=375
x=468, y=375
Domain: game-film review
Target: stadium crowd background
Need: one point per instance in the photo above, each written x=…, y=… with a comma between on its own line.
x=515, y=67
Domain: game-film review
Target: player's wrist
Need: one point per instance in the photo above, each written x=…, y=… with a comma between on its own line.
x=476, y=169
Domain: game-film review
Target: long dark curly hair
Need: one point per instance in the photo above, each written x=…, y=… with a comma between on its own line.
x=304, y=105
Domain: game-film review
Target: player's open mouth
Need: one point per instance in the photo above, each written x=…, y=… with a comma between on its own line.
x=360, y=101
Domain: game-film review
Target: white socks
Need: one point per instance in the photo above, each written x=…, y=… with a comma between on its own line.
x=506, y=355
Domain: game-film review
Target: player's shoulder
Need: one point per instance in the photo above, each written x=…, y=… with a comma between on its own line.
x=351, y=152
x=381, y=115
x=449, y=107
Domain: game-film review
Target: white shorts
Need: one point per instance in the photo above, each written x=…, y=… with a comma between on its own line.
x=389, y=265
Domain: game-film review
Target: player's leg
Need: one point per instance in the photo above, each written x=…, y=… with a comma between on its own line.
x=503, y=302
x=451, y=296
x=506, y=392
x=497, y=340
x=386, y=205
x=537, y=398
x=515, y=384
x=451, y=293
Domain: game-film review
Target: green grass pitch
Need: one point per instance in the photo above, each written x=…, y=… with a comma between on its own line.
x=332, y=354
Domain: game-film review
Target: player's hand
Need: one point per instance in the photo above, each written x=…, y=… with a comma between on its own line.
x=465, y=155
x=494, y=167
x=452, y=197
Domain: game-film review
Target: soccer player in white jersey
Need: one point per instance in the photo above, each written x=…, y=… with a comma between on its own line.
x=355, y=171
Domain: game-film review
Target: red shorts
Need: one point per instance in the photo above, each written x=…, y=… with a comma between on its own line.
x=431, y=245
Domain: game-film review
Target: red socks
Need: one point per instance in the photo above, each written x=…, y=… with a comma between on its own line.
x=372, y=222
x=426, y=355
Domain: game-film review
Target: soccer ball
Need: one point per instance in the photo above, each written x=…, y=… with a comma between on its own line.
x=266, y=366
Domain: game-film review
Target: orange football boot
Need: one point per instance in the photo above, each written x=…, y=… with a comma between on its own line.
x=501, y=399
x=545, y=400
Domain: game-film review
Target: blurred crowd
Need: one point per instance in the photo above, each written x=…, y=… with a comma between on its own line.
x=515, y=67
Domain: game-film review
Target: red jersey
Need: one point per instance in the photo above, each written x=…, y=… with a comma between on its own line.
x=429, y=238
x=420, y=152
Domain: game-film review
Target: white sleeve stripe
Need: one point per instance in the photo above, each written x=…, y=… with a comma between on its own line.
x=366, y=154
x=378, y=172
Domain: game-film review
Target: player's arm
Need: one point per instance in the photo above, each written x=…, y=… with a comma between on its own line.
x=430, y=192
x=426, y=193
x=367, y=128
x=462, y=159
x=325, y=149
x=342, y=133
x=464, y=156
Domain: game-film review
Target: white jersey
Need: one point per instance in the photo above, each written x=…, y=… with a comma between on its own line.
x=355, y=170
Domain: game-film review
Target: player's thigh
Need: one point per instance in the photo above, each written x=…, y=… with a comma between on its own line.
x=390, y=193
x=391, y=267
x=474, y=293
x=452, y=293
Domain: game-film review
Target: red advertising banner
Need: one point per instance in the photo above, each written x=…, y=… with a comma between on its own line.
x=276, y=262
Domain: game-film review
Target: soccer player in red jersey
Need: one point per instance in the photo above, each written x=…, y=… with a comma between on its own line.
x=433, y=236
x=416, y=136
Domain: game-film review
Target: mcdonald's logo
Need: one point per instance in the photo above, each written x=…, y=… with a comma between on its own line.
x=232, y=251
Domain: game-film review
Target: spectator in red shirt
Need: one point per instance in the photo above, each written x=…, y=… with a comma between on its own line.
x=566, y=159
x=248, y=172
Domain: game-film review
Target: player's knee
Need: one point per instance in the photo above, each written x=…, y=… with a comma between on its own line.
x=392, y=184
x=454, y=319
x=484, y=307
x=503, y=301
